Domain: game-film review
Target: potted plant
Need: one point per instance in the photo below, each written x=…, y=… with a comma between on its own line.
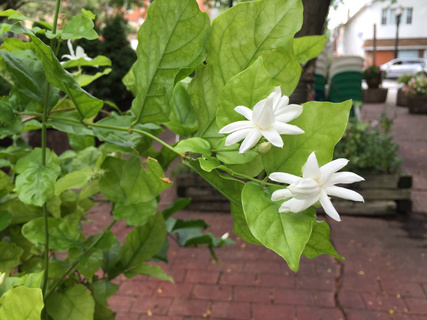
x=401, y=99
x=416, y=91
x=373, y=154
x=373, y=77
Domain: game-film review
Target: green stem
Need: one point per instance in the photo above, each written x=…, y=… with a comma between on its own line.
x=71, y=268
x=103, y=126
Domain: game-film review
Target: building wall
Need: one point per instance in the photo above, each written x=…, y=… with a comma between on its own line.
x=360, y=29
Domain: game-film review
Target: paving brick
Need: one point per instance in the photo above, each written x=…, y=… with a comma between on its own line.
x=384, y=303
x=227, y=266
x=367, y=315
x=195, y=264
x=321, y=283
x=198, y=276
x=174, y=290
x=276, y=280
x=271, y=311
x=120, y=303
x=264, y=267
x=183, y=307
x=304, y=297
x=310, y=313
x=396, y=287
x=128, y=316
x=238, y=278
x=417, y=306
x=212, y=292
x=138, y=288
x=351, y=300
x=155, y=305
x=353, y=281
x=154, y=317
x=253, y=294
x=231, y=310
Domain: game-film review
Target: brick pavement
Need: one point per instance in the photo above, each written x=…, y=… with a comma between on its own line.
x=384, y=276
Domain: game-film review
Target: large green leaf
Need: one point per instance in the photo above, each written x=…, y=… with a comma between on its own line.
x=238, y=37
x=319, y=242
x=150, y=270
x=36, y=183
x=15, y=15
x=128, y=182
x=82, y=62
x=10, y=255
x=285, y=233
x=144, y=242
x=135, y=214
x=171, y=40
x=76, y=303
x=10, y=122
x=57, y=76
x=309, y=47
x=102, y=290
x=21, y=303
x=324, y=124
x=27, y=73
x=80, y=26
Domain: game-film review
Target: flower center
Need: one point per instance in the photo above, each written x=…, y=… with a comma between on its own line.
x=305, y=189
x=263, y=114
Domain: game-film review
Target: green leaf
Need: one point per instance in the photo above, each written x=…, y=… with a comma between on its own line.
x=149, y=270
x=88, y=264
x=102, y=290
x=193, y=145
x=10, y=123
x=324, y=124
x=285, y=233
x=82, y=62
x=5, y=219
x=183, y=117
x=76, y=303
x=231, y=155
x=10, y=255
x=79, y=143
x=319, y=242
x=172, y=39
x=62, y=234
x=237, y=39
x=27, y=73
x=15, y=15
x=5, y=184
x=128, y=182
x=88, y=14
x=22, y=303
x=143, y=242
x=178, y=204
x=87, y=105
x=36, y=183
x=309, y=47
x=86, y=79
x=135, y=214
x=80, y=26
x=67, y=126
x=74, y=180
x=20, y=212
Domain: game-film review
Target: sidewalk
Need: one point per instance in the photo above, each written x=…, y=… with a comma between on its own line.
x=384, y=276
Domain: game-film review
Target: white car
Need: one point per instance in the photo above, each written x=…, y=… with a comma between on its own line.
x=400, y=66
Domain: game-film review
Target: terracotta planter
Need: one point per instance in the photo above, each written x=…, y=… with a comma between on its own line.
x=402, y=99
x=374, y=95
x=373, y=82
x=417, y=104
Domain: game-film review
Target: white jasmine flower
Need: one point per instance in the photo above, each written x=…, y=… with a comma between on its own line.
x=268, y=119
x=316, y=184
x=225, y=236
x=2, y=277
x=80, y=53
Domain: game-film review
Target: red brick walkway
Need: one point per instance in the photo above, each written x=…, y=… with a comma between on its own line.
x=384, y=276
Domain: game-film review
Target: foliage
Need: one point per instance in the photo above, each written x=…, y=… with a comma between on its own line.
x=369, y=147
x=45, y=198
x=372, y=72
x=416, y=86
x=404, y=78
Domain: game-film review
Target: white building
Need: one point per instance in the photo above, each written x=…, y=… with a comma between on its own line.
x=356, y=36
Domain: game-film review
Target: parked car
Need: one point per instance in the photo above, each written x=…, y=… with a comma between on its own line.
x=398, y=67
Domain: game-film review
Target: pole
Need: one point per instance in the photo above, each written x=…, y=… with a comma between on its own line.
x=375, y=45
x=396, y=43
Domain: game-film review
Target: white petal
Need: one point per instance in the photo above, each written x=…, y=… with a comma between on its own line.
x=331, y=167
x=281, y=194
x=329, y=207
x=305, y=189
x=311, y=168
x=276, y=97
x=343, y=177
x=273, y=137
x=282, y=103
x=235, y=126
x=343, y=193
x=237, y=136
x=244, y=111
x=294, y=205
x=251, y=140
x=67, y=56
x=70, y=48
x=263, y=115
x=288, y=113
x=284, y=128
x=283, y=177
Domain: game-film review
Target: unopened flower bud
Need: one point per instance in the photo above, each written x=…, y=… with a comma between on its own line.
x=264, y=147
x=2, y=277
x=225, y=236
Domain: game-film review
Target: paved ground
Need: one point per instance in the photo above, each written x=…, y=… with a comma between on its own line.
x=384, y=276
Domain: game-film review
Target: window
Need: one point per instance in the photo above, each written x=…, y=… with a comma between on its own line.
x=388, y=16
